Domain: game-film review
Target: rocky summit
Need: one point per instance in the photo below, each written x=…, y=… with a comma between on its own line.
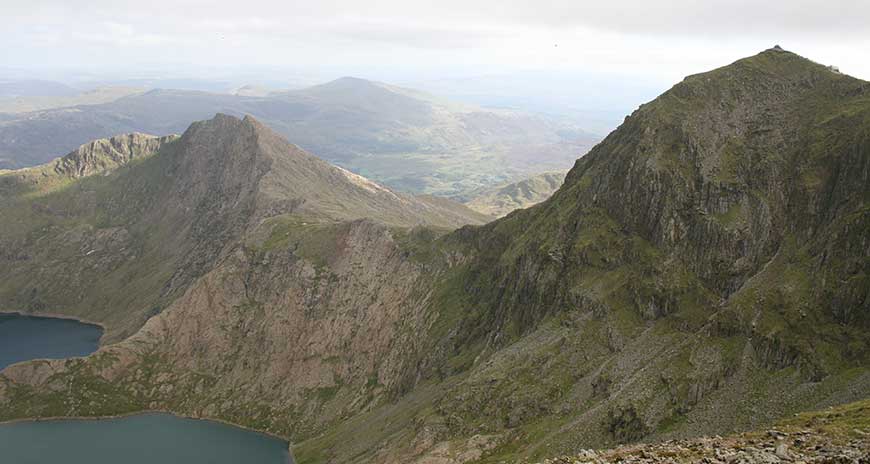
x=703, y=271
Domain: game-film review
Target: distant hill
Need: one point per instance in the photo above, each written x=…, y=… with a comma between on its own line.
x=406, y=139
x=35, y=88
x=252, y=91
x=31, y=103
x=503, y=199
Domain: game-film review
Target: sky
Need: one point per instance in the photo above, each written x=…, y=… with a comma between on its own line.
x=651, y=44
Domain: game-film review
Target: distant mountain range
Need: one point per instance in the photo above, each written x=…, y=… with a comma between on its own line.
x=34, y=88
x=31, y=103
x=406, y=139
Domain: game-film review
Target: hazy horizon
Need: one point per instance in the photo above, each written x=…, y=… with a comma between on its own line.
x=561, y=57
x=661, y=40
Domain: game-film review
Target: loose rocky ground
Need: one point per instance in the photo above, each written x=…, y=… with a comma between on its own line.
x=840, y=435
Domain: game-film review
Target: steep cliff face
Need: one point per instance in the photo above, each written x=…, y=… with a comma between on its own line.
x=97, y=157
x=284, y=308
x=727, y=164
x=116, y=248
x=703, y=269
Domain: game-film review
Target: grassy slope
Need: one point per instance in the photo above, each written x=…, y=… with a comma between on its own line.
x=74, y=257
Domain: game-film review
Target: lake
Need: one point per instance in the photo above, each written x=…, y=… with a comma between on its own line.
x=151, y=438
x=142, y=439
x=31, y=337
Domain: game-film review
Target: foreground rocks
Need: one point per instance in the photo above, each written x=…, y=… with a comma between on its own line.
x=840, y=435
x=800, y=447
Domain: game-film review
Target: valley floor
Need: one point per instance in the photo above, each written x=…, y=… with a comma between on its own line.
x=837, y=435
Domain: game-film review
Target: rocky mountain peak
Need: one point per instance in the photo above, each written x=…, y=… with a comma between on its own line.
x=733, y=156
x=244, y=155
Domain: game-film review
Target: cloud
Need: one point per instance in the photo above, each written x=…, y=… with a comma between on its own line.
x=416, y=35
x=712, y=18
x=708, y=18
x=653, y=37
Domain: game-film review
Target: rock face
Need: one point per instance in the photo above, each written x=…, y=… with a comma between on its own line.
x=704, y=269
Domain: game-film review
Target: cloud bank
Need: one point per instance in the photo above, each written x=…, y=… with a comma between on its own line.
x=658, y=39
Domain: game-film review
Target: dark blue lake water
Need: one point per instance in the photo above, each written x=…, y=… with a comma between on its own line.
x=142, y=439
x=30, y=337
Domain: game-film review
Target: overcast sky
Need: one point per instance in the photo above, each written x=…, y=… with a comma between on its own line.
x=661, y=41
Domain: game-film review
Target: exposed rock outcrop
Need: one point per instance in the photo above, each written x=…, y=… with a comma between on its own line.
x=840, y=435
x=105, y=155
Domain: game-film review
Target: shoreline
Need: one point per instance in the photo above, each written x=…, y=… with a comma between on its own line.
x=65, y=317
x=125, y=415
x=57, y=316
x=155, y=412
